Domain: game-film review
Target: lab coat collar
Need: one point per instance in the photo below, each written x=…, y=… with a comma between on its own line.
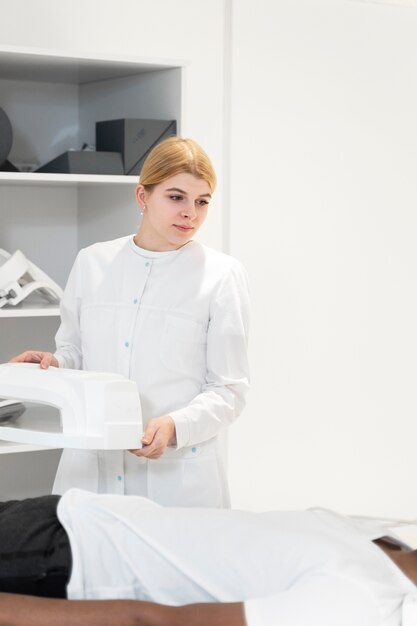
x=151, y=254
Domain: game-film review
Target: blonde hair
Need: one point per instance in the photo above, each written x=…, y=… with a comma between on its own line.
x=173, y=156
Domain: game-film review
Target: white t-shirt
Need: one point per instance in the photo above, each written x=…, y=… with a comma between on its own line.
x=289, y=568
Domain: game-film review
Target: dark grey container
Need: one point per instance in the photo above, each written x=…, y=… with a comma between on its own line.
x=85, y=162
x=6, y=136
x=133, y=138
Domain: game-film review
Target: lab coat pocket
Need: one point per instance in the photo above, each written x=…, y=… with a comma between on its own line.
x=182, y=345
x=194, y=479
x=202, y=484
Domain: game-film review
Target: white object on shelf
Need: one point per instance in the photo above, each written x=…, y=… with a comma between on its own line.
x=19, y=278
x=97, y=410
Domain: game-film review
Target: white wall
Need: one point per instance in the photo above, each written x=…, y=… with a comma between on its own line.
x=323, y=215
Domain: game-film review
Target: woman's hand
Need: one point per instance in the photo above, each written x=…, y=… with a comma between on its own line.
x=160, y=433
x=45, y=359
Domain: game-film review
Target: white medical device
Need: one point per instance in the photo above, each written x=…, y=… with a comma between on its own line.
x=19, y=278
x=96, y=410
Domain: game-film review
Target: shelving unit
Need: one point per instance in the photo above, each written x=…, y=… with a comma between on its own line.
x=53, y=101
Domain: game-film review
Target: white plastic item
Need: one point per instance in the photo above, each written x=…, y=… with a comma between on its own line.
x=19, y=277
x=98, y=410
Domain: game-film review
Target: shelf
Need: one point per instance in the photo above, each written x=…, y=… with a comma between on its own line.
x=54, y=100
x=36, y=64
x=25, y=310
x=64, y=180
x=7, y=447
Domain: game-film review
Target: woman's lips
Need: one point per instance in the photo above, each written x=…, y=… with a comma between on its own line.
x=183, y=229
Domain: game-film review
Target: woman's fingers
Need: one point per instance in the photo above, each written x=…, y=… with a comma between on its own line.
x=159, y=433
x=45, y=359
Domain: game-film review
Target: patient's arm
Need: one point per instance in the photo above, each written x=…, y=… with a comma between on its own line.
x=18, y=610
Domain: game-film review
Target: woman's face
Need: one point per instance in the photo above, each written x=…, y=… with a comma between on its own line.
x=172, y=212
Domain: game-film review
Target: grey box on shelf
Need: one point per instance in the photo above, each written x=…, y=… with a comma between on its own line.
x=134, y=138
x=85, y=162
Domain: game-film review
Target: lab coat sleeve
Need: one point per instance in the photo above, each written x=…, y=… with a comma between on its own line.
x=68, y=337
x=320, y=600
x=222, y=398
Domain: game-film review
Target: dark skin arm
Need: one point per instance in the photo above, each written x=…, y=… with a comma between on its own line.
x=17, y=610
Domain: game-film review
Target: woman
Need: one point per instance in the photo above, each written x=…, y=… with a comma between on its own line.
x=171, y=314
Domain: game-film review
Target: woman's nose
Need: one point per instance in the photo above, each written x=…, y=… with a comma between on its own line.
x=189, y=211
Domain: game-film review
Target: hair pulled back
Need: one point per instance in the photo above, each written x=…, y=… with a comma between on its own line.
x=176, y=155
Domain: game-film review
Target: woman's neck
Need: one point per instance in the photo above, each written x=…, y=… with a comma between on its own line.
x=154, y=246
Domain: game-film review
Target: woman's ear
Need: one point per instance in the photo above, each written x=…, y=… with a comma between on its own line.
x=141, y=196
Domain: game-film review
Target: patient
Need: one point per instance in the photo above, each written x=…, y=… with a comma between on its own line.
x=197, y=567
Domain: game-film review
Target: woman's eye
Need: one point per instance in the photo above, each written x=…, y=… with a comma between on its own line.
x=175, y=198
x=202, y=202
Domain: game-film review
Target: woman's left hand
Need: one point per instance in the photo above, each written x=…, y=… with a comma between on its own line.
x=159, y=433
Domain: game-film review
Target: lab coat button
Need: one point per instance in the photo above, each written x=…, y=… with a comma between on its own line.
x=126, y=344
x=135, y=301
x=194, y=449
x=147, y=264
x=119, y=478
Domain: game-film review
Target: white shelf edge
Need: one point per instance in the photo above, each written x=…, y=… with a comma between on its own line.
x=65, y=55
x=7, y=447
x=30, y=311
x=65, y=180
x=40, y=65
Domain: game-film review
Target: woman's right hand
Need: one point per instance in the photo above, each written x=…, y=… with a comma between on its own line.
x=45, y=359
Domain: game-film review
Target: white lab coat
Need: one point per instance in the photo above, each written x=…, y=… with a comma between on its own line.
x=176, y=323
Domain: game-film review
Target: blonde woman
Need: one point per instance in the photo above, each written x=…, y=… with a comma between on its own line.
x=171, y=314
